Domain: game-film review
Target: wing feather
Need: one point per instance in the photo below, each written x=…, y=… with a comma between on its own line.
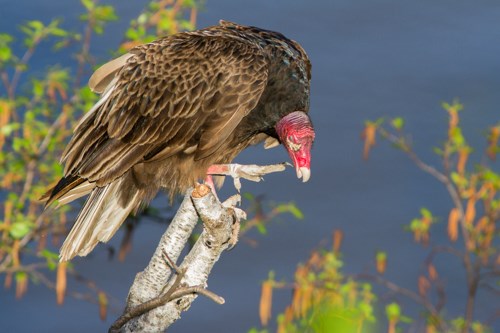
x=105, y=74
x=165, y=97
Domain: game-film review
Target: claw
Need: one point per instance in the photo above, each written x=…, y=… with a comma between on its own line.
x=250, y=172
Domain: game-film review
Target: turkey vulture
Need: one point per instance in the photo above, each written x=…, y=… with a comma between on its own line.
x=174, y=107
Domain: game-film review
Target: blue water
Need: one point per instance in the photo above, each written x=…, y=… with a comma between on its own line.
x=370, y=58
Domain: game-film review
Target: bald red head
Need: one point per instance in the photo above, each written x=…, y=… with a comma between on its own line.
x=296, y=133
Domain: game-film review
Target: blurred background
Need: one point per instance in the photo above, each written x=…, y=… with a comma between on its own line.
x=371, y=59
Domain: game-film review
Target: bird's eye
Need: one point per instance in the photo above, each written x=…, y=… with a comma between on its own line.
x=290, y=138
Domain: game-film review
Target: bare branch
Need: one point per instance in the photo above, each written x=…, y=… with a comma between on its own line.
x=407, y=293
x=158, y=311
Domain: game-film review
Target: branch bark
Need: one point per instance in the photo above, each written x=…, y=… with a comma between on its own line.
x=162, y=291
x=157, y=296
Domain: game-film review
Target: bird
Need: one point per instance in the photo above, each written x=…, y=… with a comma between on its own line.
x=172, y=108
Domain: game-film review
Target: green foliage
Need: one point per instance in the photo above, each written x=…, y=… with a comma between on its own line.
x=20, y=228
x=35, y=125
x=264, y=213
x=324, y=300
x=98, y=15
x=36, y=32
x=474, y=218
x=161, y=18
x=5, y=50
x=51, y=257
x=333, y=303
x=398, y=123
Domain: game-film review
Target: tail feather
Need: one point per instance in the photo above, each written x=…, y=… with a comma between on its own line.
x=66, y=190
x=100, y=218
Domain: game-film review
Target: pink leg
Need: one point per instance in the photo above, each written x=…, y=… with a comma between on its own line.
x=210, y=183
x=218, y=169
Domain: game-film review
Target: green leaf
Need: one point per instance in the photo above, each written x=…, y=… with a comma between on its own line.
x=51, y=257
x=5, y=53
x=9, y=128
x=5, y=39
x=36, y=25
x=88, y=4
x=457, y=137
x=49, y=254
x=426, y=213
x=381, y=255
x=98, y=29
x=132, y=34
x=367, y=311
x=165, y=23
x=5, y=50
x=261, y=228
x=58, y=32
x=141, y=19
x=20, y=144
x=290, y=208
x=415, y=224
x=377, y=122
x=255, y=330
x=38, y=88
x=459, y=180
x=490, y=176
x=393, y=311
x=249, y=196
x=438, y=151
x=19, y=229
x=297, y=213
x=187, y=25
x=21, y=275
x=105, y=13
x=398, y=123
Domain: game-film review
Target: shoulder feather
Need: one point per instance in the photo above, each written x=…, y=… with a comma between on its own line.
x=105, y=74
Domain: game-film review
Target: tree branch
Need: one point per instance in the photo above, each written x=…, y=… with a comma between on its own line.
x=407, y=293
x=148, y=308
x=157, y=298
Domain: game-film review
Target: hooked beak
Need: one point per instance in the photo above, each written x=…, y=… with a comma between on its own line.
x=302, y=161
x=304, y=173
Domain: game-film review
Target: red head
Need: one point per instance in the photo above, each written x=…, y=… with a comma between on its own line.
x=296, y=133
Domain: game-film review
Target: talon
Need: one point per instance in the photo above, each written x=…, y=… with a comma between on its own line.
x=250, y=172
x=235, y=233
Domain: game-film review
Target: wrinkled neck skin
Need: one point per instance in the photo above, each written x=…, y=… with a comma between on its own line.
x=296, y=123
x=296, y=133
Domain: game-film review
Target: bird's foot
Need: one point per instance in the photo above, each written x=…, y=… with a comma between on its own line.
x=250, y=172
x=235, y=232
x=239, y=214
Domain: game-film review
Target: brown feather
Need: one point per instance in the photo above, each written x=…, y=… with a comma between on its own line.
x=170, y=109
x=104, y=74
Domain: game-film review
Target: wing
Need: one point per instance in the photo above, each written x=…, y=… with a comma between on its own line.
x=184, y=93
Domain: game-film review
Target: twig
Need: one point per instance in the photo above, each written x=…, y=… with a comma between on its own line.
x=84, y=54
x=472, y=269
x=25, y=240
x=24, y=60
x=405, y=292
x=440, y=287
x=5, y=80
x=176, y=291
